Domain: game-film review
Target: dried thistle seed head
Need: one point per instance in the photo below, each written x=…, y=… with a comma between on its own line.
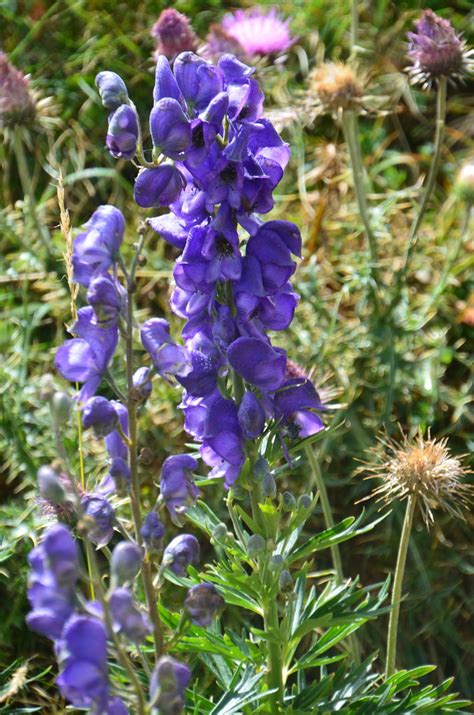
x=335, y=86
x=424, y=468
x=17, y=103
x=437, y=50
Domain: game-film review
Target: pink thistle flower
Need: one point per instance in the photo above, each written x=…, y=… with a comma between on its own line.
x=257, y=32
x=173, y=33
x=17, y=105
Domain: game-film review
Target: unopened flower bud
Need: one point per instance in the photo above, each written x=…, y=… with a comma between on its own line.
x=251, y=416
x=181, y=552
x=220, y=532
x=203, y=603
x=152, y=531
x=288, y=501
x=261, y=468
x=464, y=186
x=126, y=561
x=168, y=683
x=285, y=581
x=61, y=406
x=112, y=89
x=142, y=385
x=50, y=486
x=276, y=563
x=256, y=545
x=269, y=486
x=304, y=502
x=123, y=132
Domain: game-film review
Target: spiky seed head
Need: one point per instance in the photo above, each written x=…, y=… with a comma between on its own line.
x=424, y=468
x=17, y=104
x=335, y=86
x=437, y=50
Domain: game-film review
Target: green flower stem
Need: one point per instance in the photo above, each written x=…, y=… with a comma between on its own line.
x=430, y=182
x=354, y=26
x=329, y=523
x=147, y=578
x=275, y=659
x=350, y=129
x=28, y=191
x=397, y=586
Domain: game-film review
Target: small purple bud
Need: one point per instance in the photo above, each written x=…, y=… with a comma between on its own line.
x=152, y=531
x=50, y=486
x=251, y=416
x=158, y=187
x=203, y=603
x=127, y=617
x=170, y=128
x=123, y=132
x=101, y=415
x=126, y=562
x=142, y=385
x=181, y=552
x=112, y=89
x=101, y=514
x=168, y=684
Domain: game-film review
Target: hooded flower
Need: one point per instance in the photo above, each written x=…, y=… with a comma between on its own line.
x=181, y=552
x=203, y=603
x=95, y=250
x=101, y=515
x=86, y=358
x=123, y=131
x=297, y=405
x=127, y=617
x=178, y=490
x=152, y=531
x=258, y=363
x=101, y=415
x=168, y=684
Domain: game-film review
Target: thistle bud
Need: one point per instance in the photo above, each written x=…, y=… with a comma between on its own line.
x=173, y=34
x=17, y=104
x=203, y=603
x=126, y=562
x=50, y=486
x=61, y=406
x=112, y=89
x=256, y=545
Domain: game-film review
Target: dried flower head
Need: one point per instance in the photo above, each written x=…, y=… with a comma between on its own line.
x=424, y=468
x=335, y=87
x=17, y=103
x=173, y=34
x=437, y=50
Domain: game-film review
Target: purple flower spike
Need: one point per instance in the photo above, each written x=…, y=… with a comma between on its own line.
x=158, y=187
x=203, y=603
x=178, y=490
x=95, y=250
x=167, y=357
x=181, y=552
x=101, y=514
x=127, y=617
x=100, y=414
x=168, y=684
x=170, y=128
x=122, y=134
x=152, y=531
x=112, y=89
x=251, y=416
x=85, y=358
x=258, y=363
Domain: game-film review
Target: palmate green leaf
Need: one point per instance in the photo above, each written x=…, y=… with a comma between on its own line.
x=346, y=529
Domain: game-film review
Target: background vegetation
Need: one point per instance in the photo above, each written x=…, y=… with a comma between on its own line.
x=421, y=375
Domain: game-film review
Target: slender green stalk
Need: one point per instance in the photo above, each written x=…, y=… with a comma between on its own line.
x=350, y=129
x=329, y=523
x=147, y=578
x=430, y=182
x=397, y=586
x=354, y=26
x=275, y=660
x=28, y=191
